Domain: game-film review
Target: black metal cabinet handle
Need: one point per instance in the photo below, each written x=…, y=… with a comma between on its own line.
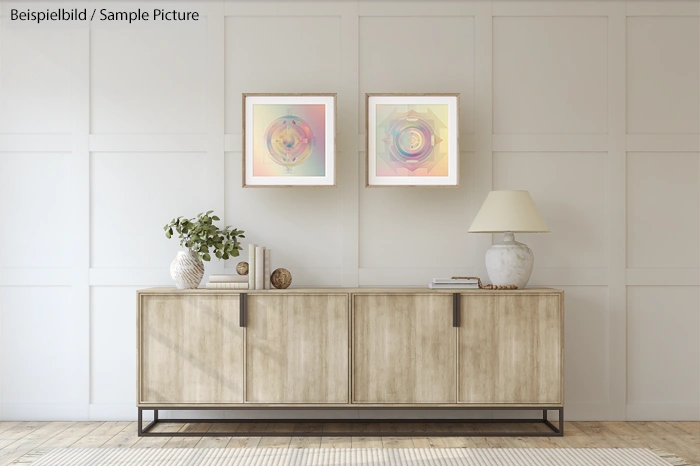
x=243, y=309
x=455, y=309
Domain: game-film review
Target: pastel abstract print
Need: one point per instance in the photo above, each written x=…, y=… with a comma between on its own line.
x=289, y=140
x=412, y=140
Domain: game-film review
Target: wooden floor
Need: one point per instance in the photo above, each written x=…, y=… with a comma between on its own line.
x=20, y=438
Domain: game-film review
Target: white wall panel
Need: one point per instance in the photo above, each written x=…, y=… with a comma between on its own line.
x=550, y=75
x=586, y=350
x=663, y=352
x=36, y=208
x=35, y=80
x=663, y=96
x=570, y=190
x=40, y=346
x=112, y=345
x=133, y=195
x=663, y=202
x=407, y=54
x=301, y=225
x=418, y=228
x=553, y=95
x=148, y=80
x=306, y=61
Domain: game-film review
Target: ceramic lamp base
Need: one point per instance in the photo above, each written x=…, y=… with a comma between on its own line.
x=509, y=262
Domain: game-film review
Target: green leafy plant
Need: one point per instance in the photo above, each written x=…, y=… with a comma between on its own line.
x=200, y=234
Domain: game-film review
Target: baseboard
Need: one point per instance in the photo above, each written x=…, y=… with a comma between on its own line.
x=44, y=411
x=671, y=411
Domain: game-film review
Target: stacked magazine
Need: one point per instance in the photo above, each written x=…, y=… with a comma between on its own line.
x=454, y=284
x=228, y=282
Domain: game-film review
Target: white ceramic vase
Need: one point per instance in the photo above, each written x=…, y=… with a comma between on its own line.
x=187, y=270
x=509, y=262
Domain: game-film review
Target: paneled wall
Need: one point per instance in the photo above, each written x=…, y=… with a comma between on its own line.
x=109, y=132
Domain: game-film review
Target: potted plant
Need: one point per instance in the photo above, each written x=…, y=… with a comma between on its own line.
x=201, y=238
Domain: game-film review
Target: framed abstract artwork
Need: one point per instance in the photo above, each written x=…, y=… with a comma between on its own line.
x=289, y=140
x=412, y=139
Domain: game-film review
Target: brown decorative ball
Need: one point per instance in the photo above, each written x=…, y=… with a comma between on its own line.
x=242, y=268
x=281, y=279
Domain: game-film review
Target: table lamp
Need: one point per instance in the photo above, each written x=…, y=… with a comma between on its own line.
x=509, y=212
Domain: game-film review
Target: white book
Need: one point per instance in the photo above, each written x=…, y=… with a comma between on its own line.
x=455, y=280
x=227, y=286
x=251, y=266
x=267, y=269
x=259, y=267
x=456, y=286
x=228, y=278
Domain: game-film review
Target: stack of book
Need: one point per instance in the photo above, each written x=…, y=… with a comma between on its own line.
x=454, y=284
x=227, y=282
x=259, y=267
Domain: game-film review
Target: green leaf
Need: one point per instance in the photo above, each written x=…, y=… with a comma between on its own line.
x=215, y=218
x=206, y=257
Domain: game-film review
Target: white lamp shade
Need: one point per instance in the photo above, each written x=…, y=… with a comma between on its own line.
x=509, y=211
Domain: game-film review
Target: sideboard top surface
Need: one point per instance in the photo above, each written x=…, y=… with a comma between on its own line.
x=363, y=290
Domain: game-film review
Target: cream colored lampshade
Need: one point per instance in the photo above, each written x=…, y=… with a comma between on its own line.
x=513, y=211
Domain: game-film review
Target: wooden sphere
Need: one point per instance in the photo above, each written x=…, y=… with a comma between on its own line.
x=281, y=279
x=242, y=268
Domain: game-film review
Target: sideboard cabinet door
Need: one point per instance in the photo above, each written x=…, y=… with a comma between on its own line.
x=510, y=349
x=190, y=349
x=297, y=348
x=404, y=349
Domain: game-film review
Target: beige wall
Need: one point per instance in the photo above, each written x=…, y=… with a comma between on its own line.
x=593, y=106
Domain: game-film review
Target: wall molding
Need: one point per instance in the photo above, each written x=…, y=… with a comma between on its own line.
x=663, y=142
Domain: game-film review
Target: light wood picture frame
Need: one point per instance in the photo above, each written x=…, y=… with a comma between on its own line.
x=289, y=140
x=412, y=140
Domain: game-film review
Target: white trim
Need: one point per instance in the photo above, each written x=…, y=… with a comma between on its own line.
x=148, y=142
x=663, y=143
x=348, y=167
x=80, y=225
x=233, y=143
x=550, y=142
x=663, y=277
x=617, y=211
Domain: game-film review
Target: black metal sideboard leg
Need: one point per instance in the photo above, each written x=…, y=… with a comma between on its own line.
x=558, y=431
x=144, y=431
x=553, y=431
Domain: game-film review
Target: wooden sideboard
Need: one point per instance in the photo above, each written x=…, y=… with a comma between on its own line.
x=350, y=348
